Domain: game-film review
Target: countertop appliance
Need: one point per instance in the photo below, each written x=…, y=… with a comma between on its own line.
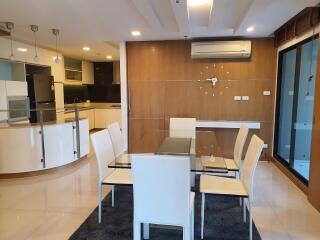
x=41, y=95
x=18, y=108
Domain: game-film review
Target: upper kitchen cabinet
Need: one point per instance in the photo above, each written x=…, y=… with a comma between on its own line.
x=12, y=71
x=73, y=70
x=103, y=73
x=87, y=73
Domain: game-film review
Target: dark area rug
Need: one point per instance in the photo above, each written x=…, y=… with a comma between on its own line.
x=223, y=220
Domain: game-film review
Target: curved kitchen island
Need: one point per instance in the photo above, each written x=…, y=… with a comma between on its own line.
x=23, y=150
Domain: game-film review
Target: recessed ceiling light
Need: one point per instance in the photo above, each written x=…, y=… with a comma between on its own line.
x=194, y=3
x=86, y=48
x=250, y=29
x=109, y=57
x=135, y=33
x=22, y=49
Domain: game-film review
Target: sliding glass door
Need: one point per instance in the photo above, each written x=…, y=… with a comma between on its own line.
x=296, y=81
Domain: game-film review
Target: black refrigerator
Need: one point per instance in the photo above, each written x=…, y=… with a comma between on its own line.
x=41, y=96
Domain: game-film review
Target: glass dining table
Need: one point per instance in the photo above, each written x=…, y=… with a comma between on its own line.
x=180, y=147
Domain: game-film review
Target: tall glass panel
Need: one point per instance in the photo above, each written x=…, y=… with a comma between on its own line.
x=286, y=104
x=304, y=116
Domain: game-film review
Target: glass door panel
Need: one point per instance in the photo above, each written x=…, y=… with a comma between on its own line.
x=304, y=112
x=286, y=104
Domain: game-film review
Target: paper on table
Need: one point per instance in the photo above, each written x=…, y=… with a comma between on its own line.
x=213, y=162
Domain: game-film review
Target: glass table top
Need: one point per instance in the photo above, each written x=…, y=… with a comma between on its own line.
x=179, y=147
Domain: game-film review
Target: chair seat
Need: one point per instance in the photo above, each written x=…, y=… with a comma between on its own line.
x=222, y=186
x=231, y=164
x=119, y=177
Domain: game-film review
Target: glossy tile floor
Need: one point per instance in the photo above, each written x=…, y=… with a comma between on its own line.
x=54, y=206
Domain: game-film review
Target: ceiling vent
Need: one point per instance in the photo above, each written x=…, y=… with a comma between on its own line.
x=221, y=49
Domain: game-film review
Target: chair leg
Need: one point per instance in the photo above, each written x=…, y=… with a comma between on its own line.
x=100, y=207
x=244, y=210
x=113, y=188
x=146, y=229
x=250, y=219
x=203, y=199
x=137, y=231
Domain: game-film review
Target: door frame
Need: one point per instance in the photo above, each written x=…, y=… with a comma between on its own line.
x=289, y=165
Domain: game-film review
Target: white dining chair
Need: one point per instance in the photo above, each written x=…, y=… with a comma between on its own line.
x=234, y=187
x=107, y=176
x=161, y=192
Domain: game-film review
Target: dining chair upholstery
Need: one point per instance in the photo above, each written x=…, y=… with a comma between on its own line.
x=116, y=138
x=107, y=176
x=234, y=187
x=238, y=146
x=161, y=192
x=182, y=128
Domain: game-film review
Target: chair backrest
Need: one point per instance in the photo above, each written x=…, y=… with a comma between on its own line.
x=116, y=138
x=182, y=127
x=104, y=152
x=161, y=189
x=250, y=163
x=238, y=146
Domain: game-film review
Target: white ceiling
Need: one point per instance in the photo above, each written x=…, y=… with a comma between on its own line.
x=100, y=24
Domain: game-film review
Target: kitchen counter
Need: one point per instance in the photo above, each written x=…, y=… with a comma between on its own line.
x=91, y=105
x=22, y=147
x=28, y=125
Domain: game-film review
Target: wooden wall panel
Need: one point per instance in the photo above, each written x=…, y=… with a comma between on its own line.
x=163, y=82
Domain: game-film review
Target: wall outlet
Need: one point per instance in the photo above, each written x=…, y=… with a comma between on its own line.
x=265, y=145
x=237, y=98
x=245, y=98
x=266, y=93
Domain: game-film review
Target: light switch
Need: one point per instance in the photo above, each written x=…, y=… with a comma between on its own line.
x=237, y=98
x=266, y=93
x=245, y=98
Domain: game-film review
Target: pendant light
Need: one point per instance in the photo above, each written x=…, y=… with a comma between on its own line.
x=56, y=32
x=10, y=27
x=34, y=29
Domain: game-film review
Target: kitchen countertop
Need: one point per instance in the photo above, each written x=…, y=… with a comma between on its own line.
x=87, y=106
x=5, y=125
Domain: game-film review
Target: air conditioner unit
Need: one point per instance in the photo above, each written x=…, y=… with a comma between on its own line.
x=221, y=49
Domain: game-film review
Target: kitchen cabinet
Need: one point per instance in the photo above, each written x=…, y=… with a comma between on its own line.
x=59, y=96
x=103, y=117
x=87, y=73
x=103, y=73
x=16, y=88
x=59, y=143
x=3, y=101
x=89, y=114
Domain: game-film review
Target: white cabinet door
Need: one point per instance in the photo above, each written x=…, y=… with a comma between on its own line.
x=59, y=144
x=100, y=118
x=88, y=114
x=3, y=101
x=16, y=88
x=113, y=115
x=87, y=73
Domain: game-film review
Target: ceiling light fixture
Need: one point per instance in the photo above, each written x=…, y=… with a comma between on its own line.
x=34, y=29
x=56, y=32
x=135, y=33
x=195, y=3
x=86, y=48
x=109, y=57
x=250, y=29
x=22, y=49
x=10, y=27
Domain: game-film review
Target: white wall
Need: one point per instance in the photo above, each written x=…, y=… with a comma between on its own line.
x=124, y=92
